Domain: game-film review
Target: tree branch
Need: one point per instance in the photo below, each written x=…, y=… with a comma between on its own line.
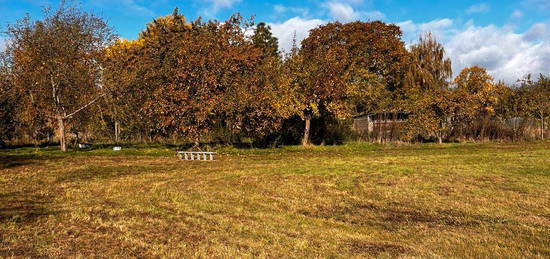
x=83, y=107
x=51, y=116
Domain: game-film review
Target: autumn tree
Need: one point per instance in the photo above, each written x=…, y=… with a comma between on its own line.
x=343, y=63
x=8, y=102
x=537, y=100
x=263, y=99
x=430, y=100
x=56, y=63
x=125, y=91
x=209, y=76
x=479, y=96
x=430, y=68
x=192, y=69
x=17, y=119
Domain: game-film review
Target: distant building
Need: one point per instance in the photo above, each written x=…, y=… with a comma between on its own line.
x=387, y=124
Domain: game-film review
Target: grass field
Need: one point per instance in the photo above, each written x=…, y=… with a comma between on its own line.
x=355, y=200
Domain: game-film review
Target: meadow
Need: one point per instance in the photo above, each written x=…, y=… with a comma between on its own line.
x=353, y=200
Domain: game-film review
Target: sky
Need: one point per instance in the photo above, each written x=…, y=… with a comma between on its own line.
x=510, y=38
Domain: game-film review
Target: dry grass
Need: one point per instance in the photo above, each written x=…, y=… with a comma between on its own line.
x=356, y=200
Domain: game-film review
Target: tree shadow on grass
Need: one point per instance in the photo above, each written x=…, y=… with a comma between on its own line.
x=23, y=210
x=13, y=161
x=20, y=207
x=393, y=215
x=90, y=173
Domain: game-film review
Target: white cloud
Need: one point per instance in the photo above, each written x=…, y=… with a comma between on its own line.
x=216, y=6
x=3, y=43
x=517, y=14
x=538, y=31
x=285, y=31
x=342, y=11
x=479, y=8
x=506, y=55
x=219, y=4
x=281, y=9
x=439, y=28
x=353, y=2
x=374, y=15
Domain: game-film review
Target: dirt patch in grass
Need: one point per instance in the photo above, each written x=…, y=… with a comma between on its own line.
x=375, y=248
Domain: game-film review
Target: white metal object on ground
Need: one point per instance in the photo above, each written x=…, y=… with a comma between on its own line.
x=200, y=156
x=84, y=145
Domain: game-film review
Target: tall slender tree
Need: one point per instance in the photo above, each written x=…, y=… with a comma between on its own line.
x=428, y=79
x=125, y=92
x=430, y=68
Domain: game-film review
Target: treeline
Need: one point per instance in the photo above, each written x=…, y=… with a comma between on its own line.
x=68, y=78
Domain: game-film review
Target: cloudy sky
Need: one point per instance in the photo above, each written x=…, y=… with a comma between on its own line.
x=509, y=37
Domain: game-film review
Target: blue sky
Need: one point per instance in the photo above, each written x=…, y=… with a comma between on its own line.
x=510, y=38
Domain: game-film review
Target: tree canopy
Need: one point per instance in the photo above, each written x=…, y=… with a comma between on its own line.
x=55, y=63
x=228, y=82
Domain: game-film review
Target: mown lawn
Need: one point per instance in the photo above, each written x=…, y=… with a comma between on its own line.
x=356, y=200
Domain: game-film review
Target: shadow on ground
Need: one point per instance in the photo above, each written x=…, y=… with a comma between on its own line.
x=101, y=172
x=21, y=207
x=7, y=162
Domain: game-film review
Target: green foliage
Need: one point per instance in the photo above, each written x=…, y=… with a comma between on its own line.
x=264, y=40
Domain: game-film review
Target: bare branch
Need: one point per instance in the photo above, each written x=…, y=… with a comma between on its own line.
x=83, y=107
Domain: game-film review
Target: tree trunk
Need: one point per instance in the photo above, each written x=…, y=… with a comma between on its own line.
x=484, y=123
x=62, y=137
x=393, y=125
x=542, y=127
x=385, y=135
x=439, y=139
x=305, y=139
x=369, y=121
x=117, y=132
x=379, y=129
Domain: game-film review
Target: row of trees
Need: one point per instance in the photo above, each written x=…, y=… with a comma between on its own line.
x=209, y=81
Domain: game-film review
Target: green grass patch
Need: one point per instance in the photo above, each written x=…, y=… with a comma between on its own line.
x=354, y=200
